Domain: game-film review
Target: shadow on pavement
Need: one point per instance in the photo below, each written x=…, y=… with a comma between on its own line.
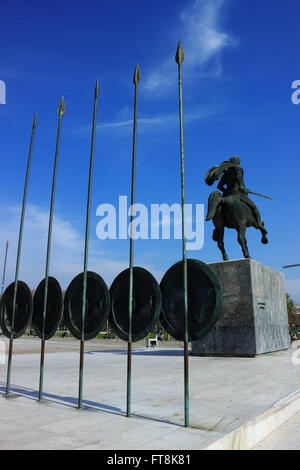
x=17, y=391
x=140, y=352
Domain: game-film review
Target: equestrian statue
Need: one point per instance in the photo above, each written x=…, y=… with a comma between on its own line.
x=233, y=208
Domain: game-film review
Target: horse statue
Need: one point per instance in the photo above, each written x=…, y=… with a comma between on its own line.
x=233, y=208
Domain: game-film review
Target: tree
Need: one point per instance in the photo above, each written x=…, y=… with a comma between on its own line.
x=290, y=304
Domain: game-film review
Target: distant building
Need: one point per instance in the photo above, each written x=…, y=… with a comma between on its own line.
x=294, y=317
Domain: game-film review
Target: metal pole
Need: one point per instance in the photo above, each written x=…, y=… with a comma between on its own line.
x=179, y=58
x=14, y=308
x=87, y=228
x=60, y=112
x=136, y=80
x=4, y=268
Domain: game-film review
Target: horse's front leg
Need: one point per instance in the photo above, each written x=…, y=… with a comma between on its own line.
x=220, y=240
x=242, y=240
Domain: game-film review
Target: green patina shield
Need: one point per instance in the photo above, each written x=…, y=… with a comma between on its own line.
x=204, y=300
x=146, y=304
x=54, y=308
x=23, y=311
x=97, y=305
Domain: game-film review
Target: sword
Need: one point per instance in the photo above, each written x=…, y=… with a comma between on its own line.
x=257, y=194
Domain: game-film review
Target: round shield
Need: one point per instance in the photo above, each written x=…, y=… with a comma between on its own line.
x=54, y=308
x=146, y=305
x=97, y=305
x=204, y=300
x=23, y=310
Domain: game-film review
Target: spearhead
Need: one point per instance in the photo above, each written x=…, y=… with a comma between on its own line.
x=61, y=107
x=7, y=244
x=97, y=89
x=34, y=121
x=179, y=57
x=137, y=75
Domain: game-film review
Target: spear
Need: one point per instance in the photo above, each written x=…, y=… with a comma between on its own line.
x=87, y=228
x=136, y=79
x=18, y=259
x=60, y=112
x=179, y=58
x=4, y=268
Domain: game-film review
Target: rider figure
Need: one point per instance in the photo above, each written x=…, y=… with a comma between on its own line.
x=233, y=178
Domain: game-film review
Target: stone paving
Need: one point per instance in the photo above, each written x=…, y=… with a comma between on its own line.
x=225, y=393
x=287, y=437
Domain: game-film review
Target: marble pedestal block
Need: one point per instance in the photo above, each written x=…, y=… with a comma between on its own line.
x=254, y=317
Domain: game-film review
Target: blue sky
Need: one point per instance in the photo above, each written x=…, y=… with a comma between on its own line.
x=241, y=58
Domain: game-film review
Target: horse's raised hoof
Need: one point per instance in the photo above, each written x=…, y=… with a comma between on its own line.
x=264, y=240
x=262, y=229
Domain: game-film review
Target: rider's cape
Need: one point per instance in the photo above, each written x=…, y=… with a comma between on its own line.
x=213, y=201
x=215, y=197
x=215, y=172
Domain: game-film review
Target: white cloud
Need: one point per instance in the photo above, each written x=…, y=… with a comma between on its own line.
x=202, y=39
x=161, y=122
x=66, y=249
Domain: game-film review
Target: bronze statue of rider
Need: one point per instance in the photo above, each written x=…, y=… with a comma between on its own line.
x=231, y=184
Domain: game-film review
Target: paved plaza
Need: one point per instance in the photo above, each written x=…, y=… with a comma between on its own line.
x=228, y=397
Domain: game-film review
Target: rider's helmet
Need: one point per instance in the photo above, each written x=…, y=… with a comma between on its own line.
x=235, y=159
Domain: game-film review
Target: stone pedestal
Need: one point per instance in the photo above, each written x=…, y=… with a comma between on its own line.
x=254, y=314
